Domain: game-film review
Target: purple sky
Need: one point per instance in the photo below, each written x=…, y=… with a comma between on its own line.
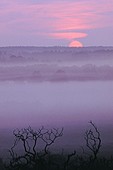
x=56, y=22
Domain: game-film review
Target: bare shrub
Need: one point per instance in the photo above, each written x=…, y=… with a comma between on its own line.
x=93, y=140
x=29, y=139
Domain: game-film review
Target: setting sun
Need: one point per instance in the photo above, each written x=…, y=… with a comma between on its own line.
x=75, y=44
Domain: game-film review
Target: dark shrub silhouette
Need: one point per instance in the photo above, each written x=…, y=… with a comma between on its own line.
x=32, y=156
x=93, y=140
x=36, y=157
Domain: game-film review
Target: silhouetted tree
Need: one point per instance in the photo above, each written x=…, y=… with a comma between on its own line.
x=32, y=156
x=93, y=140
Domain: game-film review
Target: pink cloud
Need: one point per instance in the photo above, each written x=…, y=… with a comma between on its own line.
x=54, y=17
x=68, y=35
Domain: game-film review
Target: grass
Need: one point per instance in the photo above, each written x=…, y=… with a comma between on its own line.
x=59, y=162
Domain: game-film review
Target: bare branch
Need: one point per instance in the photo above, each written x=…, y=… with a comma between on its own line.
x=93, y=139
x=29, y=140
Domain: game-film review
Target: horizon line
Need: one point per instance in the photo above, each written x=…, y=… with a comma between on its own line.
x=110, y=46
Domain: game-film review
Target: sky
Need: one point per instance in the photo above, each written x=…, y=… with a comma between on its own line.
x=56, y=23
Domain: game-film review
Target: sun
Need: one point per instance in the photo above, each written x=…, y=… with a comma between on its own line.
x=75, y=44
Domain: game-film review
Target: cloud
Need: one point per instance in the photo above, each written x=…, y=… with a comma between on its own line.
x=58, y=19
x=68, y=35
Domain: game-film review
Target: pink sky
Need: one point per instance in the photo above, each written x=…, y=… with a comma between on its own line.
x=53, y=22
